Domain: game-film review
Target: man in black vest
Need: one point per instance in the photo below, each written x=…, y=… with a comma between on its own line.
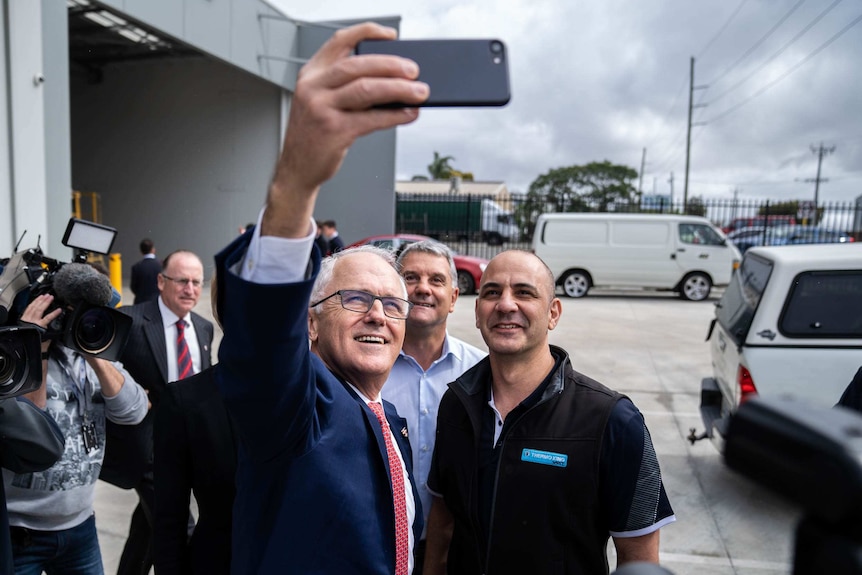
x=537, y=465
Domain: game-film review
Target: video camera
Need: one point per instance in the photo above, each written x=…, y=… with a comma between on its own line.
x=87, y=324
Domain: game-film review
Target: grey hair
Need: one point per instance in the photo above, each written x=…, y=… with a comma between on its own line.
x=434, y=248
x=327, y=270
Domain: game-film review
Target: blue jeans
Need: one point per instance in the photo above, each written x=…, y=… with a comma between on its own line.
x=73, y=551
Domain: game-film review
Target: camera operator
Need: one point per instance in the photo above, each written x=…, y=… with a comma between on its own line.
x=51, y=512
x=29, y=441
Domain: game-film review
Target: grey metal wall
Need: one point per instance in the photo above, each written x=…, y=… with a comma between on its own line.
x=248, y=34
x=179, y=150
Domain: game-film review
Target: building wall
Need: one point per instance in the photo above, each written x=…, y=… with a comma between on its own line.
x=248, y=34
x=179, y=150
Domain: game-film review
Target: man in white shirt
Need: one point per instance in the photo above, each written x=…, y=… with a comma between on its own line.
x=430, y=358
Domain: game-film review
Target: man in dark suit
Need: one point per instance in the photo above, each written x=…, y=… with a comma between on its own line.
x=145, y=274
x=155, y=355
x=324, y=482
x=194, y=451
x=330, y=233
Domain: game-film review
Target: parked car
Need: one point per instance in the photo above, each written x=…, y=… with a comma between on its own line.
x=686, y=254
x=759, y=221
x=469, y=268
x=788, y=325
x=786, y=235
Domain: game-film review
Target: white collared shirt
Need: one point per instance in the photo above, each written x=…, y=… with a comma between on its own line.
x=169, y=321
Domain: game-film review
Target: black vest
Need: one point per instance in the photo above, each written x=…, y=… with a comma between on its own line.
x=546, y=516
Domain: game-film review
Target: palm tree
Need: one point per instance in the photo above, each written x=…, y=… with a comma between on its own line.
x=440, y=168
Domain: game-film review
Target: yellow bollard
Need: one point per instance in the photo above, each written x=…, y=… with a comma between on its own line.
x=115, y=268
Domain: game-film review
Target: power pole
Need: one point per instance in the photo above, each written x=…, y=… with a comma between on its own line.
x=670, y=181
x=641, y=178
x=820, y=151
x=735, y=203
x=691, y=106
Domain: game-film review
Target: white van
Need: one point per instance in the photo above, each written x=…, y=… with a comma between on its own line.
x=686, y=254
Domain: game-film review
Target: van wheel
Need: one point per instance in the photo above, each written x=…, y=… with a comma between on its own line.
x=695, y=287
x=466, y=284
x=576, y=284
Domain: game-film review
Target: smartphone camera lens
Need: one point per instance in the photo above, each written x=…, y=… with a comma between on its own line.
x=496, y=47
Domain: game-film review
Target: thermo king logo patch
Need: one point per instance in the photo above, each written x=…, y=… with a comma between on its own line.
x=544, y=457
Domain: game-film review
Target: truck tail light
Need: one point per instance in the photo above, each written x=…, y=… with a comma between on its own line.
x=747, y=390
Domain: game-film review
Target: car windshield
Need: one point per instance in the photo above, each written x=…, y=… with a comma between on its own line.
x=736, y=309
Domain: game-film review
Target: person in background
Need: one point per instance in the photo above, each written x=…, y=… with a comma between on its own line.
x=330, y=234
x=51, y=511
x=145, y=274
x=167, y=342
x=320, y=240
x=430, y=358
x=194, y=450
x=537, y=465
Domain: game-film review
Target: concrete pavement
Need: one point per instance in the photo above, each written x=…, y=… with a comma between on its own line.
x=651, y=347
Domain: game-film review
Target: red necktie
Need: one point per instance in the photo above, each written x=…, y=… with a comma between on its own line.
x=184, y=356
x=402, y=541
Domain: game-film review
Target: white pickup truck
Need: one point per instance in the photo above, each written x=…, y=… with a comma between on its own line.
x=788, y=325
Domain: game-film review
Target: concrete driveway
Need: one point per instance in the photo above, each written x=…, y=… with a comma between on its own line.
x=651, y=347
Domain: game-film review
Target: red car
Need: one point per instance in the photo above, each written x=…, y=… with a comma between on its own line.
x=469, y=268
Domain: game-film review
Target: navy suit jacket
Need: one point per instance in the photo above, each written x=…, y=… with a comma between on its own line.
x=313, y=490
x=129, y=448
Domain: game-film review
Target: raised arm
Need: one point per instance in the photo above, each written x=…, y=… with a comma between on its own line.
x=264, y=284
x=331, y=108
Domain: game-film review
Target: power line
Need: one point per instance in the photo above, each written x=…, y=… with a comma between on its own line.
x=722, y=29
x=759, y=43
x=780, y=51
x=789, y=71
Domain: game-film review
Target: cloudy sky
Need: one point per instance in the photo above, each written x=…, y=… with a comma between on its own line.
x=602, y=80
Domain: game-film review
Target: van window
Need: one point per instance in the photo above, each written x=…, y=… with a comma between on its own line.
x=736, y=309
x=699, y=234
x=577, y=232
x=823, y=304
x=641, y=234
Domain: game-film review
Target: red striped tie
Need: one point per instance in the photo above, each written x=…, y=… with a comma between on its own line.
x=184, y=356
x=402, y=541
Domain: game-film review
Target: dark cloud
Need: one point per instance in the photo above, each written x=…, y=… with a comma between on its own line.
x=603, y=80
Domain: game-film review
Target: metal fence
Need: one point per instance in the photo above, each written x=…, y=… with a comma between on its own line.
x=484, y=225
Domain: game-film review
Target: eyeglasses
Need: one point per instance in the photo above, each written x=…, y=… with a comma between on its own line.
x=362, y=302
x=183, y=282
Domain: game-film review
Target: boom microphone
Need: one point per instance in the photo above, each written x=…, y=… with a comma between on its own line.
x=75, y=283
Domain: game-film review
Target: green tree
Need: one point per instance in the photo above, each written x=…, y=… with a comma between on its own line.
x=440, y=168
x=780, y=208
x=576, y=189
x=466, y=176
x=604, y=183
x=696, y=206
